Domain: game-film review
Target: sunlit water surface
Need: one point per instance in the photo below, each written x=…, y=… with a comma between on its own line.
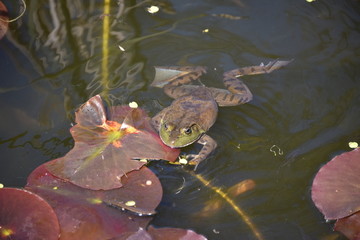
x=52, y=60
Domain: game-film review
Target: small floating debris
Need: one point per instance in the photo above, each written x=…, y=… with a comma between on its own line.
x=206, y=30
x=310, y=1
x=133, y=105
x=1, y=185
x=353, y=145
x=216, y=231
x=130, y=203
x=183, y=161
x=121, y=48
x=153, y=9
x=274, y=148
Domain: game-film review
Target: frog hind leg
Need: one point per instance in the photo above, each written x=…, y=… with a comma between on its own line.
x=226, y=98
x=185, y=74
x=179, y=91
x=238, y=93
x=173, y=88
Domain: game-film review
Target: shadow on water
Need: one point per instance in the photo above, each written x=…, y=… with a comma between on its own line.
x=53, y=59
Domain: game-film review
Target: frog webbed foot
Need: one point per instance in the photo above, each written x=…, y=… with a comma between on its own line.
x=194, y=160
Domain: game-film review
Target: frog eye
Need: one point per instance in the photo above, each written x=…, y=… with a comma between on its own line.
x=187, y=131
x=165, y=126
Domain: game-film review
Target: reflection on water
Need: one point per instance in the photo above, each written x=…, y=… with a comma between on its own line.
x=55, y=57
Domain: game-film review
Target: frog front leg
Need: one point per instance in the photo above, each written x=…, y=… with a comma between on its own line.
x=209, y=146
x=238, y=93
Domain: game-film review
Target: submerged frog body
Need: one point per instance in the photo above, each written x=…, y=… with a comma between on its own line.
x=195, y=107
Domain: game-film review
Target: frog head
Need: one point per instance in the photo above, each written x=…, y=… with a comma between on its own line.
x=177, y=137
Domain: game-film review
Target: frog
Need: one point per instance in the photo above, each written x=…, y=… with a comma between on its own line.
x=195, y=107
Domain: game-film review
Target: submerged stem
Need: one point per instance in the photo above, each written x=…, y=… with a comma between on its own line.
x=105, y=48
x=231, y=202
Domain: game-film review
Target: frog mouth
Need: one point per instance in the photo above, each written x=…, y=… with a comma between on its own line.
x=175, y=143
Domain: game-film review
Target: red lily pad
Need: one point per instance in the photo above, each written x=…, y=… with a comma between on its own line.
x=25, y=215
x=336, y=187
x=4, y=20
x=90, y=214
x=162, y=234
x=174, y=233
x=105, y=149
x=349, y=226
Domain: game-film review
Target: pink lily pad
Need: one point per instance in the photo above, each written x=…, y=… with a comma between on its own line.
x=90, y=214
x=174, y=233
x=349, y=226
x=105, y=149
x=162, y=234
x=4, y=18
x=336, y=187
x=25, y=215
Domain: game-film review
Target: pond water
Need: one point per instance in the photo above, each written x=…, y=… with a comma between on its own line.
x=60, y=53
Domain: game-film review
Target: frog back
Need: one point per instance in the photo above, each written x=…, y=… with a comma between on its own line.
x=198, y=107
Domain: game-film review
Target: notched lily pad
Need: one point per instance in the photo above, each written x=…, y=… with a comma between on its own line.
x=174, y=233
x=4, y=20
x=90, y=214
x=105, y=148
x=25, y=215
x=161, y=234
x=349, y=226
x=336, y=187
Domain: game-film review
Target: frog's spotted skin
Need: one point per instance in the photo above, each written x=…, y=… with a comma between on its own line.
x=195, y=107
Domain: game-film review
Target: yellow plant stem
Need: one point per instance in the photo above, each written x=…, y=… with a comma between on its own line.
x=231, y=202
x=105, y=47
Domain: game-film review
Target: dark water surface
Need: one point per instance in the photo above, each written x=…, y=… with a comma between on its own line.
x=51, y=61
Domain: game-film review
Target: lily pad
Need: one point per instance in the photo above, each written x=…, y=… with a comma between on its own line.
x=349, y=226
x=25, y=215
x=4, y=20
x=161, y=234
x=105, y=149
x=90, y=214
x=336, y=187
x=174, y=233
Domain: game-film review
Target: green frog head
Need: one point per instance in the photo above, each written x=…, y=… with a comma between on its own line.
x=177, y=137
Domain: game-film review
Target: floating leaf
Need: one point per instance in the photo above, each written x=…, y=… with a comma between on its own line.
x=165, y=75
x=25, y=215
x=174, y=233
x=92, y=113
x=349, y=226
x=105, y=150
x=336, y=187
x=161, y=234
x=4, y=20
x=89, y=214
